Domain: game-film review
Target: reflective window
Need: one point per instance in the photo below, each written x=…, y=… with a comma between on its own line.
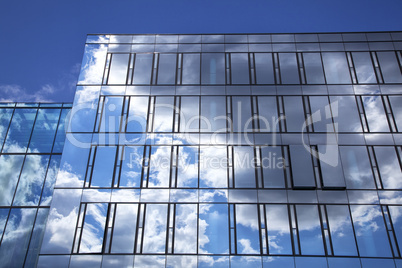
x=348, y=119
x=155, y=229
x=44, y=130
x=118, y=69
x=94, y=228
x=247, y=231
x=36, y=238
x=5, y=117
x=331, y=167
x=142, y=69
x=310, y=235
x=264, y=69
x=185, y=240
x=342, y=236
x=313, y=68
x=213, y=68
x=357, y=167
x=131, y=166
x=124, y=228
x=321, y=114
x=268, y=114
x=241, y=109
x=371, y=235
x=294, y=112
x=191, y=69
x=279, y=239
x=137, y=114
x=111, y=114
x=302, y=167
x=389, y=166
x=103, y=166
x=396, y=216
x=159, y=166
x=9, y=177
x=163, y=117
x=187, y=166
x=364, y=67
x=167, y=69
x=50, y=180
x=213, y=114
x=189, y=114
x=289, y=69
x=273, y=163
x=390, y=69
x=396, y=103
x=239, y=68
x=336, y=68
x=244, y=172
x=374, y=110
x=213, y=167
x=61, y=132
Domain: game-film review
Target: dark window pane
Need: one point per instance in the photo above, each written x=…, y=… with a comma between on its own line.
x=294, y=112
x=155, y=228
x=94, y=228
x=44, y=130
x=357, y=167
x=390, y=69
x=103, y=167
x=213, y=68
x=189, y=114
x=364, y=67
x=137, y=114
x=167, y=69
x=370, y=231
x=185, y=228
x=321, y=114
x=396, y=103
x=273, y=163
x=376, y=117
x=10, y=166
x=118, y=69
x=268, y=114
x=111, y=114
x=336, y=68
x=390, y=169
x=241, y=109
x=187, y=170
x=239, y=68
x=310, y=235
x=313, y=68
x=124, y=228
x=131, y=166
x=302, y=167
x=348, y=119
x=213, y=114
x=213, y=167
x=279, y=240
x=289, y=68
x=264, y=69
x=331, y=167
x=342, y=236
x=163, y=117
x=191, y=69
x=142, y=69
x=244, y=172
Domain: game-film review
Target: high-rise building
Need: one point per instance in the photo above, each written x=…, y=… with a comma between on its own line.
x=237, y=150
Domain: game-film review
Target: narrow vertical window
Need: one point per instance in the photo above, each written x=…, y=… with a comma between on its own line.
x=213, y=68
x=118, y=69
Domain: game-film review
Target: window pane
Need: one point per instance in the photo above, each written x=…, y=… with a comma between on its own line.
x=137, y=114
x=50, y=180
x=396, y=103
x=310, y=235
x=336, y=68
x=94, y=228
x=111, y=114
x=348, y=119
x=313, y=68
x=244, y=172
x=187, y=170
x=279, y=241
x=374, y=110
x=239, y=68
x=264, y=69
x=390, y=69
x=294, y=112
x=289, y=69
x=5, y=117
x=155, y=228
x=213, y=167
x=191, y=69
x=342, y=236
x=10, y=166
x=213, y=114
x=124, y=228
x=357, y=167
x=44, y=130
x=213, y=229
x=36, y=239
x=213, y=68
x=20, y=131
x=321, y=114
x=364, y=67
x=189, y=114
x=142, y=69
x=241, y=109
x=103, y=167
x=331, y=167
x=371, y=235
x=302, y=167
x=159, y=171
x=390, y=169
x=163, y=118
x=131, y=168
x=185, y=229
x=268, y=114
x=396, y=216
x=118, y=69
x=273, y=164
x=61, y=132
x=247, y=231
x=167, y=69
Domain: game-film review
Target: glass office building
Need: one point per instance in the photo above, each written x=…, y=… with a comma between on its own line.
x=254, y=150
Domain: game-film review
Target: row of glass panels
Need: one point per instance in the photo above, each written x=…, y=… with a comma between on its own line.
x=320, y=114
x=254, y=68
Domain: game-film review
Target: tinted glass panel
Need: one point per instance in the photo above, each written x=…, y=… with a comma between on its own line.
x=124, y=228
x=191, y=69
x=187, y=170
x=348, y=119
x=5, y=117
x=159, y=171
x=213, y=114
x=103, y=167
x=390, y=169
x=20, y=130
x=167, y=69
x=189, y=114
x=279, y=241
x=213, y=68
x=163, y=118
x=390, y=68
x=374, y=110
x=155, y=229
x=213, y=167
x=364, y=67
x=321, y=114
x=264, y=69
x=61, y=132
x=186, y=229
x=118, y=69
x=239, y=65
x=94, y=228
x=268, y=114
x=137, y=114
x=10, y=166
x=331, y=167
x=36, y=238
x=247, y=232
x=313, y=68
x=142, y=69
x=336, y=68
x=111, y=114
x=294, y=114
x=131, y=166
x=44, y=130
x=50, y=180
x=273, y=164
x=396, y=216
x=289, y=68
x=396, y=103
x=302, y=167
x=308, y=220
x=244, y=172
x=241, y=109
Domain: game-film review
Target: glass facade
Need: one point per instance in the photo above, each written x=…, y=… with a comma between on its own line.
x=268, y=150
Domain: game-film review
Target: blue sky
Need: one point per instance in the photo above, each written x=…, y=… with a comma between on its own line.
x=42, y=41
